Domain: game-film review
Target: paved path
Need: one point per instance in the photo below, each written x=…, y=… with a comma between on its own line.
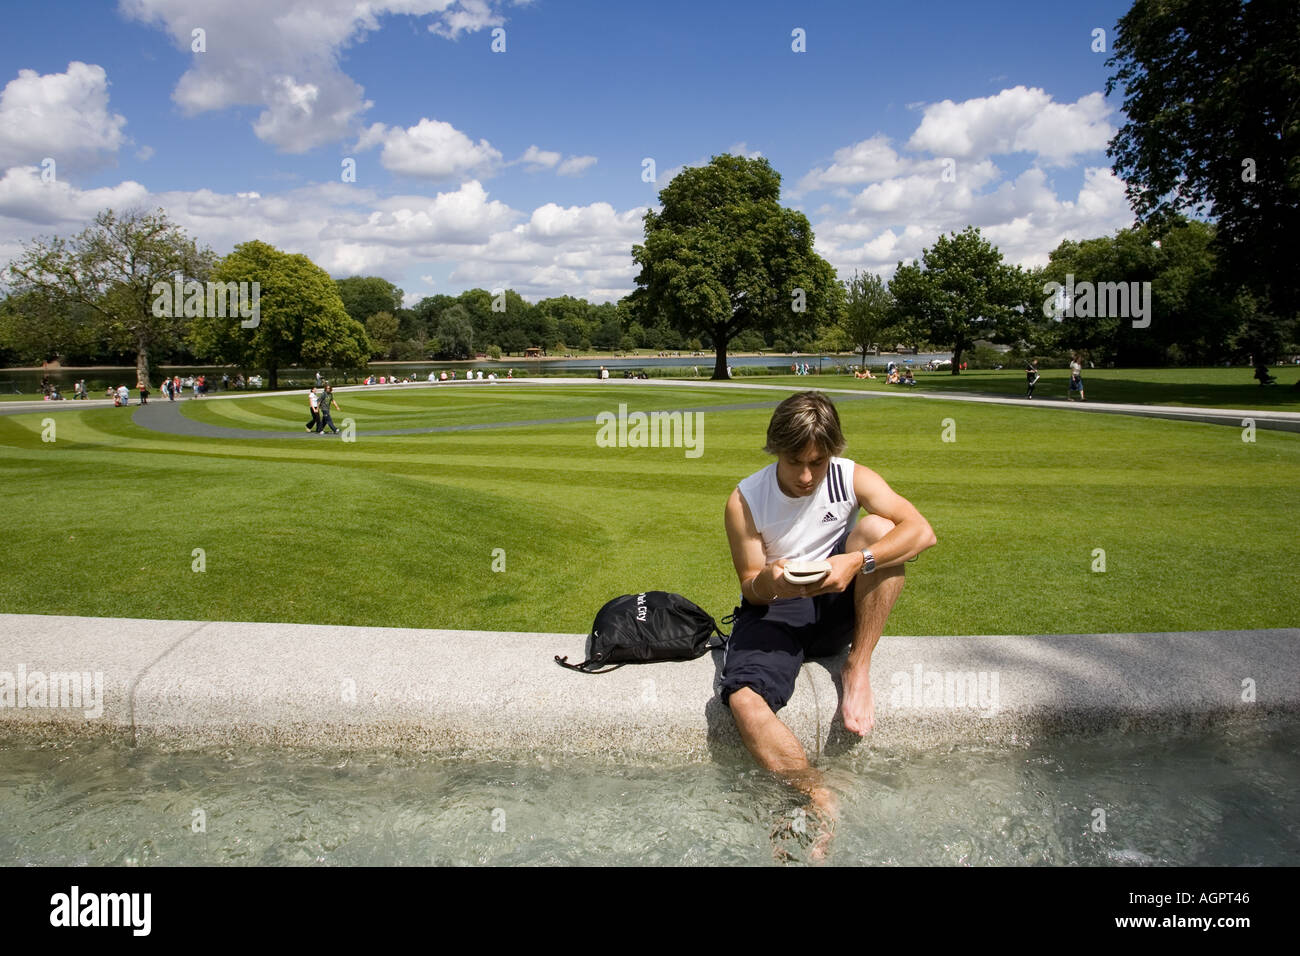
x=164, y=416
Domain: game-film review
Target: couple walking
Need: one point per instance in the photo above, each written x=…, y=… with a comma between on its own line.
x=320, y=410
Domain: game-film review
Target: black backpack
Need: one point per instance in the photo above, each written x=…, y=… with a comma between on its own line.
x=651, y=626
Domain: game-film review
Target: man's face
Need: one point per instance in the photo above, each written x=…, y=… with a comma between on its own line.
x=801, y=474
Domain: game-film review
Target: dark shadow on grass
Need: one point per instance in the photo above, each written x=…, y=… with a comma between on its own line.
x=1246, y=394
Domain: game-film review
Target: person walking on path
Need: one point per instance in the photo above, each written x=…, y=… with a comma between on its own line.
x=326, y=401
x=1076, y=378
x=143, y=386
x=313, y=403
x=1031, y=376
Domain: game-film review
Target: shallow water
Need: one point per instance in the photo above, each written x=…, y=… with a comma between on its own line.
x=1224, y=797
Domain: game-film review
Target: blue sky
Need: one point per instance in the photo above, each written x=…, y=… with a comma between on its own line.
x=524, y=168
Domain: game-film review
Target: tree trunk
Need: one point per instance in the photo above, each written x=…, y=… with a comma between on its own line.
x=956, y=360
x=272, y=377
x=142, y=360
x=864, y=356
x=719, y=356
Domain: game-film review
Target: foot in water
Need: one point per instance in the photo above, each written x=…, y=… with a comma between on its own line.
x=811, y=828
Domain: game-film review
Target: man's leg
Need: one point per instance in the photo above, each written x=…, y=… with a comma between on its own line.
x=874, y=595
x=771, y=742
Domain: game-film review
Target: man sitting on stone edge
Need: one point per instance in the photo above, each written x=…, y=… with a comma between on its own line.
x=805, y=505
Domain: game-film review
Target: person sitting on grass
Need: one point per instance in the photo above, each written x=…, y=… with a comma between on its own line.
x=779, y=513
x=909, y=378
x=1261, y=373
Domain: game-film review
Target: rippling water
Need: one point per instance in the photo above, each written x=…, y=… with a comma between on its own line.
x=1227, y=797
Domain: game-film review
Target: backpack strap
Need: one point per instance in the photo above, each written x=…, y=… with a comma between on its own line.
x=584, y=667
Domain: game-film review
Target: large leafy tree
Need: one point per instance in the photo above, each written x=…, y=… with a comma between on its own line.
x=363, y=296
x=455, y=333
x=1193, y=319
x=868, y=311
x=108, y=272
x=1212, y=96
x=961, y=291
x=382, y=328
x=301, y=316
x=568, y=316
x=34, y=327
x=723, y=256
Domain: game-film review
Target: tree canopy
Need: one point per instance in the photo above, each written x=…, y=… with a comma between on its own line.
x=868, y=312
x=363, y=296
x=1212, y=96
x=301, y=316
x=961, y=290
x=106, y=276
x=723, y=256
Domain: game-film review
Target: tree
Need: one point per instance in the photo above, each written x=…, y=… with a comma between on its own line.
x=723, y=256
x=111, y=268
x=382, y=331
x=34, y=327
x=301, y=317
x=868, y=311
x=363, y=296
x=568, y=316
x=1191, y=316
x=1212, y=96
x=455, y=334
x=961, y=291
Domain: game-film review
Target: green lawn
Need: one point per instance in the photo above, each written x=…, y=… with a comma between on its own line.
x=1197, y=526
x=411, y=407
x=1205, y=387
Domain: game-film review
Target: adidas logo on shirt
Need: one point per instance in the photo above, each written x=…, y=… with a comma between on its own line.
x=829, y=517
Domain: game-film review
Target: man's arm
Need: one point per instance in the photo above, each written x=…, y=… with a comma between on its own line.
x=912, y=534
x=760, y=583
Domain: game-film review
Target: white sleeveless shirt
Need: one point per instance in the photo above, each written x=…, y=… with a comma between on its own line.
x=805, y=527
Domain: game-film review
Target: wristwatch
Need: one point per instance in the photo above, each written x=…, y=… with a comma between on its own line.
x=868, y=562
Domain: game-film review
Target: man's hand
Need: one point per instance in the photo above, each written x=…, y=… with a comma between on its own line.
x=844, y=568
x=771, y=581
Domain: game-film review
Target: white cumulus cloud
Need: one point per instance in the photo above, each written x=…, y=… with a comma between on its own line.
x=431, y=150
x=285, y=56
x=1015, y=120
x=63, y=116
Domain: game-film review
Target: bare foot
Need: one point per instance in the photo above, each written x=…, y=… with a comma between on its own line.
x=809, y=829
x=824, y=811
x=859, y=706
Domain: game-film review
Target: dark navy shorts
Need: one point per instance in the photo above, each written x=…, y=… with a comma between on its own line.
x=769, y=642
